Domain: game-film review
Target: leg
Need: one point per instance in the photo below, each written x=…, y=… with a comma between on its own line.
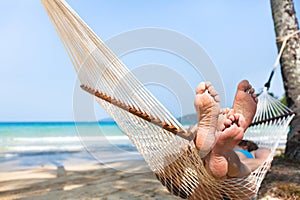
x=207, y=107
x=223, y=161
x=245, y=102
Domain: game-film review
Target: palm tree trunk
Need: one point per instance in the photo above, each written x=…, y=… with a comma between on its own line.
x=285, y=23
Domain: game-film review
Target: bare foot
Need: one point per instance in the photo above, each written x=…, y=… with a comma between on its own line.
x=245, y=102
x=226, y=118
x=208, y=108
x=218, y=160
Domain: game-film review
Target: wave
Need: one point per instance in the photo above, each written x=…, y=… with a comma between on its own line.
x=42, y=139
x=42, y=148
x=70, y=144
x=63, y=139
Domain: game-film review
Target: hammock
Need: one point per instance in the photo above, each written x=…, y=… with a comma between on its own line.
x=165, y=145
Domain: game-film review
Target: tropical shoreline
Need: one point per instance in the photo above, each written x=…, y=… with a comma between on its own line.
x=52, y=161
x=87, y=180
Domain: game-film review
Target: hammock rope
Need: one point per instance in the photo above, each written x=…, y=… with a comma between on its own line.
x=284, y=41
x=164, y=143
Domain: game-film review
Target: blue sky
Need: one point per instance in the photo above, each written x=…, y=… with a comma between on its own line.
x=37, y=78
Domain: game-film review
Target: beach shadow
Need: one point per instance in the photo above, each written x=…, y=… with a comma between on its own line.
x=100, y=183
x=61, y=171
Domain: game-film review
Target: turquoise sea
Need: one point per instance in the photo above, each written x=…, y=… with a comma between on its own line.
x=43, y=143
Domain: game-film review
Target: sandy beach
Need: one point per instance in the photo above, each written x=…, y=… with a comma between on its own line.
x=83, y=181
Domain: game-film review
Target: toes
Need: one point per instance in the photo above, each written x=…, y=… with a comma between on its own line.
x=207, y=86
x=231, y=112
x=211, y=90
x=254, y=98
x=224, y=111
x=247, y=87
x=217, y=99
x=251, y=91
x=227, y=122
x=244, y=86
x=201, y=88
x=231, y=118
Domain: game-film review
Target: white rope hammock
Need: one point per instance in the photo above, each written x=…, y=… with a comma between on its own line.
x=157, y=135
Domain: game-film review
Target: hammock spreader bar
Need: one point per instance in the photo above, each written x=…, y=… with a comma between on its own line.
x=169, y=127
x=271, y=119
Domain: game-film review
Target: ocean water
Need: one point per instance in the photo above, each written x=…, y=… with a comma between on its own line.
x=43, y=143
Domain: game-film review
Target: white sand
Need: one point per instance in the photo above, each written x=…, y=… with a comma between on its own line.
x=81, y=179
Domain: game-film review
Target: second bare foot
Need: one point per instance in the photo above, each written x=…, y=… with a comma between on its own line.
x=218, y=160
x=245, y=102
x=207, y=107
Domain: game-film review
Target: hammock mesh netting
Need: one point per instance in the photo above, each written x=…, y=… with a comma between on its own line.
x=168, y=149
